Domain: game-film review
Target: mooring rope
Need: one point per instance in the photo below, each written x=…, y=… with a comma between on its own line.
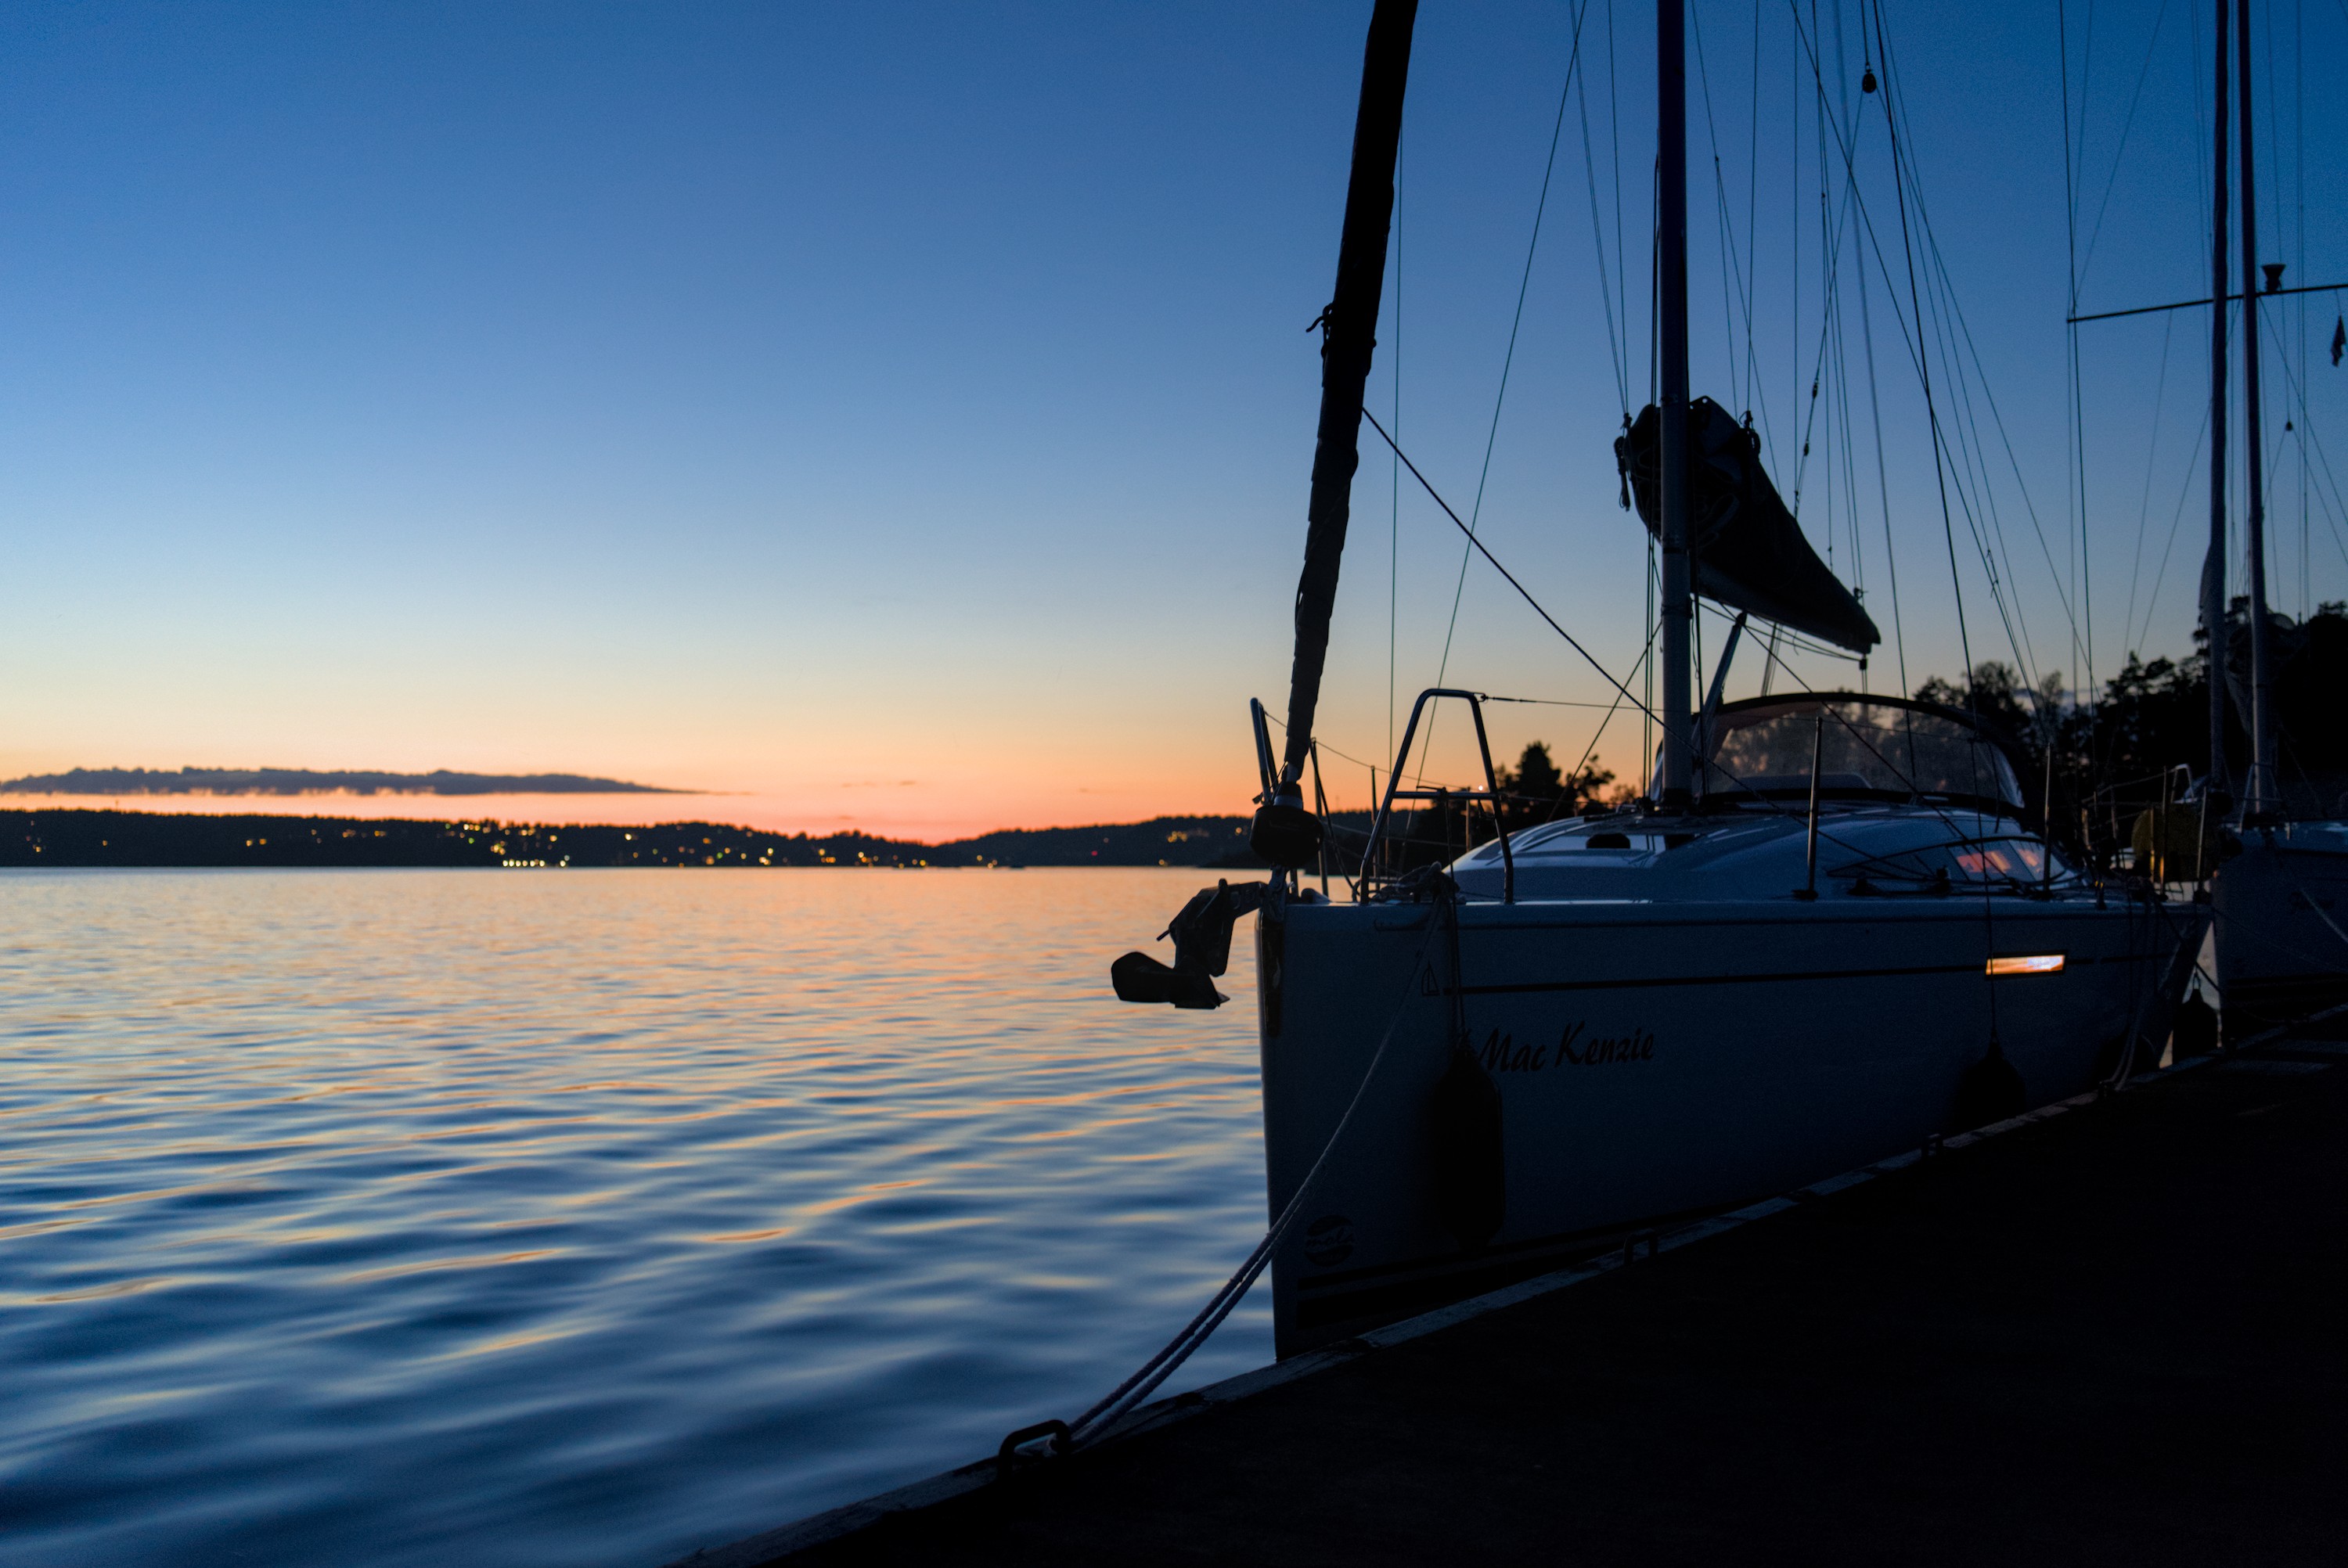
x=1179, y=1349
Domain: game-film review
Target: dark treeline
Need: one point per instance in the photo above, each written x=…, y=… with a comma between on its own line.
x=154, y=838
x=2110, y=756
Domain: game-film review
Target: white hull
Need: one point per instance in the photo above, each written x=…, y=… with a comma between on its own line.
x=1655, y=1060
x=2282, y=906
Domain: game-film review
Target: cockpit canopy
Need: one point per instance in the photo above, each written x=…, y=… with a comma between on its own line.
x=1866, y=747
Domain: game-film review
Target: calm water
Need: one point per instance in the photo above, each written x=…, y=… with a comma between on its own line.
x=582, y=1217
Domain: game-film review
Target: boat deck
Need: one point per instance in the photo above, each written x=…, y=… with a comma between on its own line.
x=2115, y=1334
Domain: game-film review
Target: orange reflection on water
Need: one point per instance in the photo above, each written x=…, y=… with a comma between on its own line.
x=813, y=1175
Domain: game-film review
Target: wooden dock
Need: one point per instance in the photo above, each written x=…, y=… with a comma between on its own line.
x=2117, y=1333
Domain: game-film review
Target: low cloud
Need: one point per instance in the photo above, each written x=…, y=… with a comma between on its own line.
x=307, y=781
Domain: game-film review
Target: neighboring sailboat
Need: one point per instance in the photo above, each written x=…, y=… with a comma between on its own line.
x=1829, y=934
x=2282, y=903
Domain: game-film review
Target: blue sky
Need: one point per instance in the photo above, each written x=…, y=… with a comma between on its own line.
x=901, y=414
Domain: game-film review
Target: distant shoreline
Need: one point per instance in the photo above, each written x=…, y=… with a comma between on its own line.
x=80, y=837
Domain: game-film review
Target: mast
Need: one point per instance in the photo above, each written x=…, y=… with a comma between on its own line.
x=1349, y=335
x=1671, y=285
x=2262, y=797
x=2213, y=566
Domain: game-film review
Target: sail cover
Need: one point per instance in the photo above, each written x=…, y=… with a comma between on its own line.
x=1745, y=548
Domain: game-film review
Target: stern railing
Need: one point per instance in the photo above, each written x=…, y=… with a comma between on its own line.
x=1371, y=875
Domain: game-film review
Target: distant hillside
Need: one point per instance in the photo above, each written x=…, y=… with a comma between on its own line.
x=1161, y=841
x=305, y=781
x=77, y=837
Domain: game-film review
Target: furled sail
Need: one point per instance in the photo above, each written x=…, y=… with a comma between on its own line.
x=1351, y=324
x=1748, y=552
x=1284, y=832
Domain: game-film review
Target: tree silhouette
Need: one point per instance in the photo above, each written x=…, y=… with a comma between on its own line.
x=1537, y=791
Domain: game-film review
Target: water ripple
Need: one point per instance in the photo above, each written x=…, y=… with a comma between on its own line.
x=394, y=1218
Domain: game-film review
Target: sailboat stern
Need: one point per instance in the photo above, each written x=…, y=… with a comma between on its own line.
x=1543, y=1080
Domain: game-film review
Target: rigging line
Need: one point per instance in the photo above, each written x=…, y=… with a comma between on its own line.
x=1778, y=631
x=1964, y=429
x=1393, y=475
x=2075, y=435
x=2087, y=78
x=1882, y=478
x=1647, y=680
x=1847, y=447
x=2315, y=442
x=1732, y=298
x=1997, y=418
x=2082, y=627
x=1618, y=345
x=1760, y=799
x=1483, y=696
x=2151, y=462
x=2274, y=130
x=1796, y=167
x=1324, y=745
x=1735, y=285
x=1830, y=246
x=2192, y=463
x=1753, y=200
x=1780, y=809
x=1590, y=752
x=1843, y=109
x=1831, y=237
x=1830, y=305
x=1946, y=305
x=2104, y=207
x=1913, y=186
x=1874, y=241
x=1830, y=709
x=1655, y=276
x=1944, y=289
x=1839, y=399
x=1622, y=279
x=2292, y=379
x=2298, y=176
x=1932, y=412
x=1940, y=811
x=1522, y=592
x=1980, y=515
x=1866, y=218
x=1524, y=285
x=1976, y=497
x=2072, y=148
x=2197, y=76
x=1724, y=237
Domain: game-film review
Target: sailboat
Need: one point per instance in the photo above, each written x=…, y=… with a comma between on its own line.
x=2282, y=904
x=1828, y=932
